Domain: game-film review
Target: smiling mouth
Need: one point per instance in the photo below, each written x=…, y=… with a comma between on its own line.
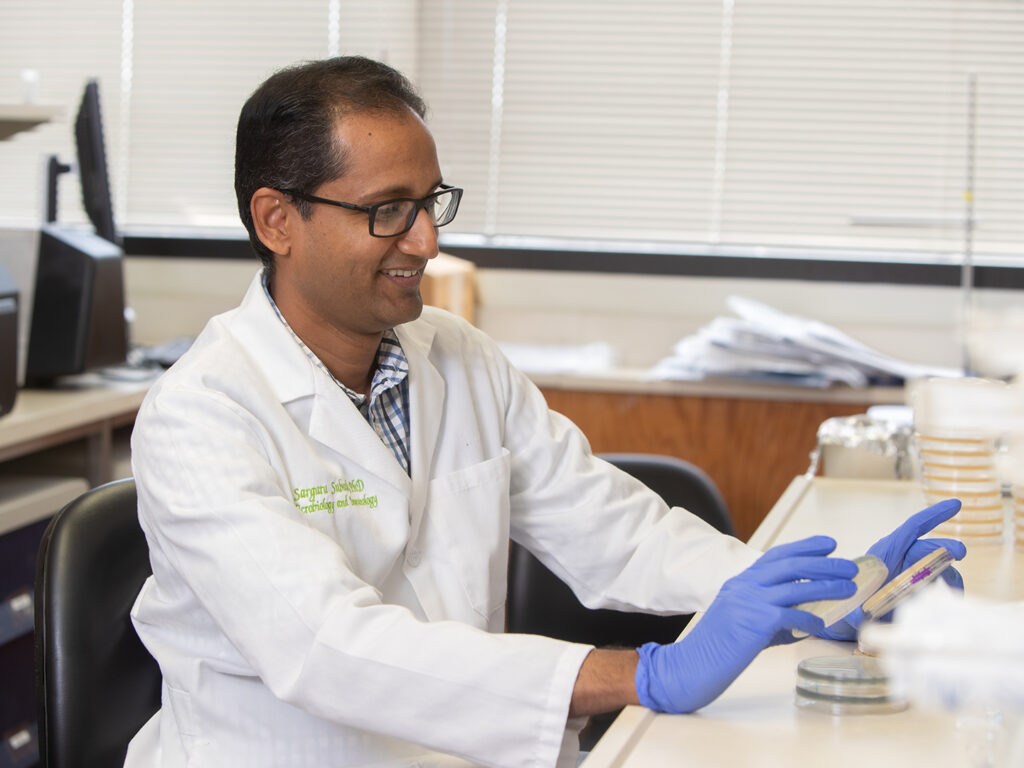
x=402, y=272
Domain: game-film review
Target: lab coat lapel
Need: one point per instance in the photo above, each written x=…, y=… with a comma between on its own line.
x=337, y=423
x=258, y=329
x=426, y=402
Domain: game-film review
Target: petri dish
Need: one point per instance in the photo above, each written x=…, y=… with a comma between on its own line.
x=993, y=531
x=871, y=574
x=845, y=685
x=979, y=514
x=938, y=475
x=956, y=459
x=920, y=574
x=948, y=484
x=955, y=442
x=987, y=499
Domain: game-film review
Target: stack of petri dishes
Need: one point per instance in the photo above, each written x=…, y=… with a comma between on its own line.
x=846, y=685
x=957, y=423
x=955, y=465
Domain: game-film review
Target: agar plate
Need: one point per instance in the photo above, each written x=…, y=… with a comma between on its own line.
x=923, y=572
x=871, y=574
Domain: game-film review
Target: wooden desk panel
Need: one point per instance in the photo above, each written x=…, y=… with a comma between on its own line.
x=751, y=448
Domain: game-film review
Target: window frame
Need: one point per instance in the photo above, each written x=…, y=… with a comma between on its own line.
x=637, y=258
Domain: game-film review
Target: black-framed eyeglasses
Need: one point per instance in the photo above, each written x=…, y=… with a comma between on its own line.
x=396, y=217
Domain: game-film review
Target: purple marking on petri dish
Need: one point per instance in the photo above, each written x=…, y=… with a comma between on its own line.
x=922, y=574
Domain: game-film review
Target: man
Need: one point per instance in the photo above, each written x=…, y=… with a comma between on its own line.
x=329, y=478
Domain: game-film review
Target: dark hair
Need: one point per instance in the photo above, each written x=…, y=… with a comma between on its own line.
x=285, y=137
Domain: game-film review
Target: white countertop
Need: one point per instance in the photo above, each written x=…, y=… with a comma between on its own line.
x=636, y=381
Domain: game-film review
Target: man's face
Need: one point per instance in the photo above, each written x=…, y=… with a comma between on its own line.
x=339, y=275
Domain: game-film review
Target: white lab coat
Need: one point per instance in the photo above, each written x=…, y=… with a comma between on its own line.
x=313, y=605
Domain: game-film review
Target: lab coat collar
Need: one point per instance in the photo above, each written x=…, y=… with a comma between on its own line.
x=334, y=420
x=427, y=405
x=287, y=370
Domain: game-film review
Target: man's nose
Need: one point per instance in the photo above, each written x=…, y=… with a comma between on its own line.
x=421, y=239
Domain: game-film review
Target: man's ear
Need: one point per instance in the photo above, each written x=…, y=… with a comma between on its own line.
x=270, y=216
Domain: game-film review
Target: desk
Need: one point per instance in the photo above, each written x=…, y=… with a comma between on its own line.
x=86, y=408
x=755, y=722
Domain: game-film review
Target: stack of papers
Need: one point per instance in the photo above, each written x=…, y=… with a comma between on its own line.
x=765, y=345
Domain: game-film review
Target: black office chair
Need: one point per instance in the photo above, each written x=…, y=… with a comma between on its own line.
x=540, y=603
x=96, y=683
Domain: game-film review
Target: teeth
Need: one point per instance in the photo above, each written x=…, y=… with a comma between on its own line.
x=401, y=272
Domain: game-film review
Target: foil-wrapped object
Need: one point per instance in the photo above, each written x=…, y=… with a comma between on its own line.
x=867, y=436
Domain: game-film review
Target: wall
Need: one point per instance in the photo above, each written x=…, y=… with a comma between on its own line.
x=175, y=297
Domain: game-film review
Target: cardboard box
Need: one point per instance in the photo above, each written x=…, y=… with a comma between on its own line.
x=450, y=283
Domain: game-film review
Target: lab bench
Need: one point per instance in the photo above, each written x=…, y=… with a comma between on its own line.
x=756, y=722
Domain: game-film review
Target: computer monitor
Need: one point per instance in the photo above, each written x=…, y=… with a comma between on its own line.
x=92, y=163
x=93, y=177
x=78, y=318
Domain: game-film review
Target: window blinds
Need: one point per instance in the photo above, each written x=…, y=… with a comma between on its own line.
x=65, y=43
x=817, y=125
x=718, y=123
x=173, y=77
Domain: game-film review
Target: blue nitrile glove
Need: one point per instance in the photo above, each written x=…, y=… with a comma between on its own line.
x=900, y=550
x=751, y=611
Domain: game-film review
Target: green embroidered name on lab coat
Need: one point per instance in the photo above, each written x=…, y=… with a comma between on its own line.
x=331, y=496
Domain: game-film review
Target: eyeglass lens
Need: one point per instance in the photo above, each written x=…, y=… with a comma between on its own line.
x=397, y=217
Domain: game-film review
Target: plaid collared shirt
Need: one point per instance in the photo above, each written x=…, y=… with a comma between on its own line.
x=387, y=407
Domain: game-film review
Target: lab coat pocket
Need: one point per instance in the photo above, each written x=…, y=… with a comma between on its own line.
x=184, y=717
x=469, y=509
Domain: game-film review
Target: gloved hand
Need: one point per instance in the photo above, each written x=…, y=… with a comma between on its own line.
x=751, y=611
x=900, y=550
